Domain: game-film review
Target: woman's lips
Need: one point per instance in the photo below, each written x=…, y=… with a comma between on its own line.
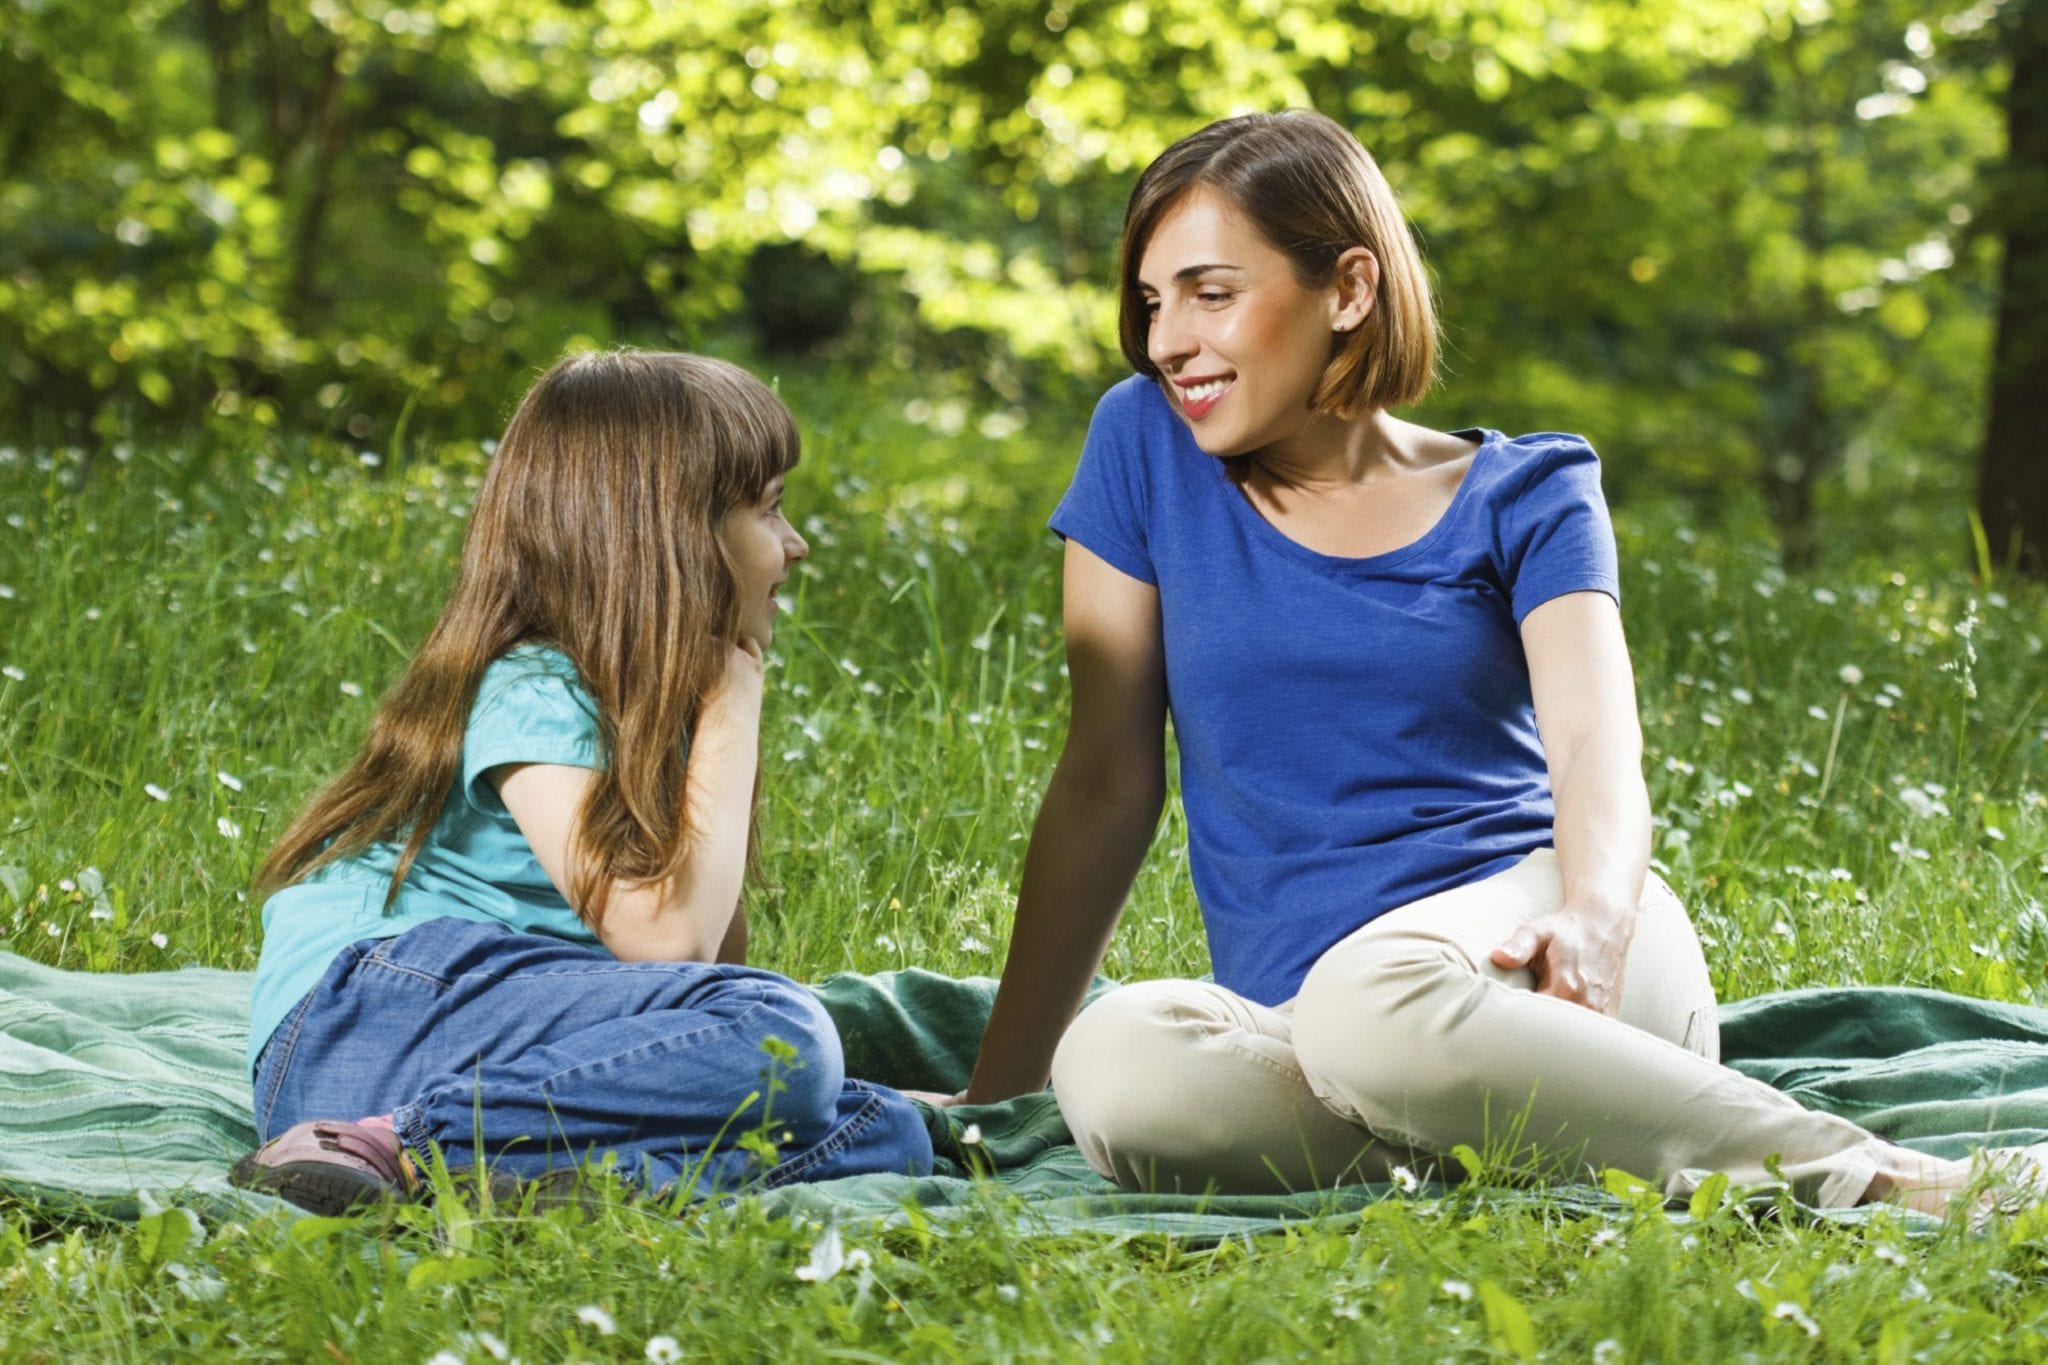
x=1199, y=400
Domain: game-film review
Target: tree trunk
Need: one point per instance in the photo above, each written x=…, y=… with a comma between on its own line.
x=307, y=240
x=220, y=47
x=1791, y=472
x=2012, y=481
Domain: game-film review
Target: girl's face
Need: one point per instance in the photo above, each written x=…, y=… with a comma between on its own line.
x=760, y=545
x=1241, y=344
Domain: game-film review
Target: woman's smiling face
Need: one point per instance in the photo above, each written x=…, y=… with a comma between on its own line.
x=1240, y=342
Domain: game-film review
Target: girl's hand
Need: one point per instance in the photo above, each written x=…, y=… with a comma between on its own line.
x=1577, y=954
x=745, y=670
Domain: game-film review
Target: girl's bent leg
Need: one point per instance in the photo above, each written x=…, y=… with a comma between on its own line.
x=1408, y=1028
x=529, y=1053
x=1183, y=1085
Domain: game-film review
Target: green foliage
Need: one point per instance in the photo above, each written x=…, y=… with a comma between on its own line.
x=1733, y=242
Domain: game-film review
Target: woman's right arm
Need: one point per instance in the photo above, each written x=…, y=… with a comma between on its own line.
x=1094, y=824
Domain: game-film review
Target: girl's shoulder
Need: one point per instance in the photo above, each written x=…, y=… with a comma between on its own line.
x=531, y=677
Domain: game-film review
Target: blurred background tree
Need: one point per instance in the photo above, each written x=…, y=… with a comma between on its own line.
x=1745, y=247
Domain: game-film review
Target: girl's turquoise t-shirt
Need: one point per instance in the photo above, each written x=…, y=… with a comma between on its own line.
x=530, y=708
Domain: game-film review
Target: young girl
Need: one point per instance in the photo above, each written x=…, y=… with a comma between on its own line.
x=511, y=929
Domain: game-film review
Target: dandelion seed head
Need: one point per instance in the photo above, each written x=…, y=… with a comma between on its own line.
x=1850, y=674
x=1793, y=1313
x=830, y=1256
x=11, y=671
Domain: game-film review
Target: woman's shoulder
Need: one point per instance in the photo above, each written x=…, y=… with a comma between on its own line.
x=1506, y=466
x=1133, y=401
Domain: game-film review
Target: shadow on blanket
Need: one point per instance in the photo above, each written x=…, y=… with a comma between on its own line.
x=112, y=1086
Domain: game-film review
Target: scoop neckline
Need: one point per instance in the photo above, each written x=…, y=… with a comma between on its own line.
x=1242, y=507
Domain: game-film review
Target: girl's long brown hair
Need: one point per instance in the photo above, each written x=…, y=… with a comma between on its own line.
x=594, y=532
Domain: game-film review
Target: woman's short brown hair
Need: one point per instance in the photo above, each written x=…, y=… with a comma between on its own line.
x=1314, y=192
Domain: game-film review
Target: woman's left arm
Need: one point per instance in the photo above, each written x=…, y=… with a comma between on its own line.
x=1585, y=696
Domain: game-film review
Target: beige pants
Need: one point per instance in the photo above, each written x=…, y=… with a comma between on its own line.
x=1406, y=1041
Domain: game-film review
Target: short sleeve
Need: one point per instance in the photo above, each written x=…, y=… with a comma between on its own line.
x=529, y=709
x=1555, y=534
x=1104, y=507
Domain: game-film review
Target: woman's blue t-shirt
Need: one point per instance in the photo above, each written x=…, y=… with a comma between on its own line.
x=1354, y=734
x=531, y=707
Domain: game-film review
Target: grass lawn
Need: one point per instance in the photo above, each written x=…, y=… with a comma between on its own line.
x=1849, y=772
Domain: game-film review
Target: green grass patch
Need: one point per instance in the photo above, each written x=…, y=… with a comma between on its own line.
x=1848, y=769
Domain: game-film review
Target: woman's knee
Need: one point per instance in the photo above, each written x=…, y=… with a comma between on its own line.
x=1373, y=1030
x=1114, y=1070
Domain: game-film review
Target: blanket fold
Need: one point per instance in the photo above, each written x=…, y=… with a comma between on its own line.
x=116, y=1089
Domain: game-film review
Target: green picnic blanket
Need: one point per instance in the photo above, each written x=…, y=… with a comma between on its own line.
x=122, y=1092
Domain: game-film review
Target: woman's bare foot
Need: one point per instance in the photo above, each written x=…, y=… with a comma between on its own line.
x=2004, y=1177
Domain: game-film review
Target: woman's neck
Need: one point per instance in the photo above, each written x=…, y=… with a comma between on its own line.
x=1333, y=453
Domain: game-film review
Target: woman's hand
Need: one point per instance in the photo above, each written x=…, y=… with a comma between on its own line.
x=934, y=1098
x=1577, y=954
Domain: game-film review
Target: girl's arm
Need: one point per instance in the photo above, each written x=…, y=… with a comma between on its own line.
x=1094, y=823
x=1585, y=695
x=689, y=917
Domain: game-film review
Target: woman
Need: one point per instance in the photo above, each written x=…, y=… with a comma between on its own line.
x=1429, y=926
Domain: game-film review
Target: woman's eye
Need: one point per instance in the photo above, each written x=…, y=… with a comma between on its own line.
x=1213, y=296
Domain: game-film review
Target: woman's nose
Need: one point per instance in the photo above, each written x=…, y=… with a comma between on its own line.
x=1169, y=340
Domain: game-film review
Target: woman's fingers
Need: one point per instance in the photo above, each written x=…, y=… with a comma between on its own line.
x=934, y=1098
x=1522, y=947
x=1565, y=960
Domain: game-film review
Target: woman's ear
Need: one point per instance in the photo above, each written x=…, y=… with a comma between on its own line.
x=1354, y=286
